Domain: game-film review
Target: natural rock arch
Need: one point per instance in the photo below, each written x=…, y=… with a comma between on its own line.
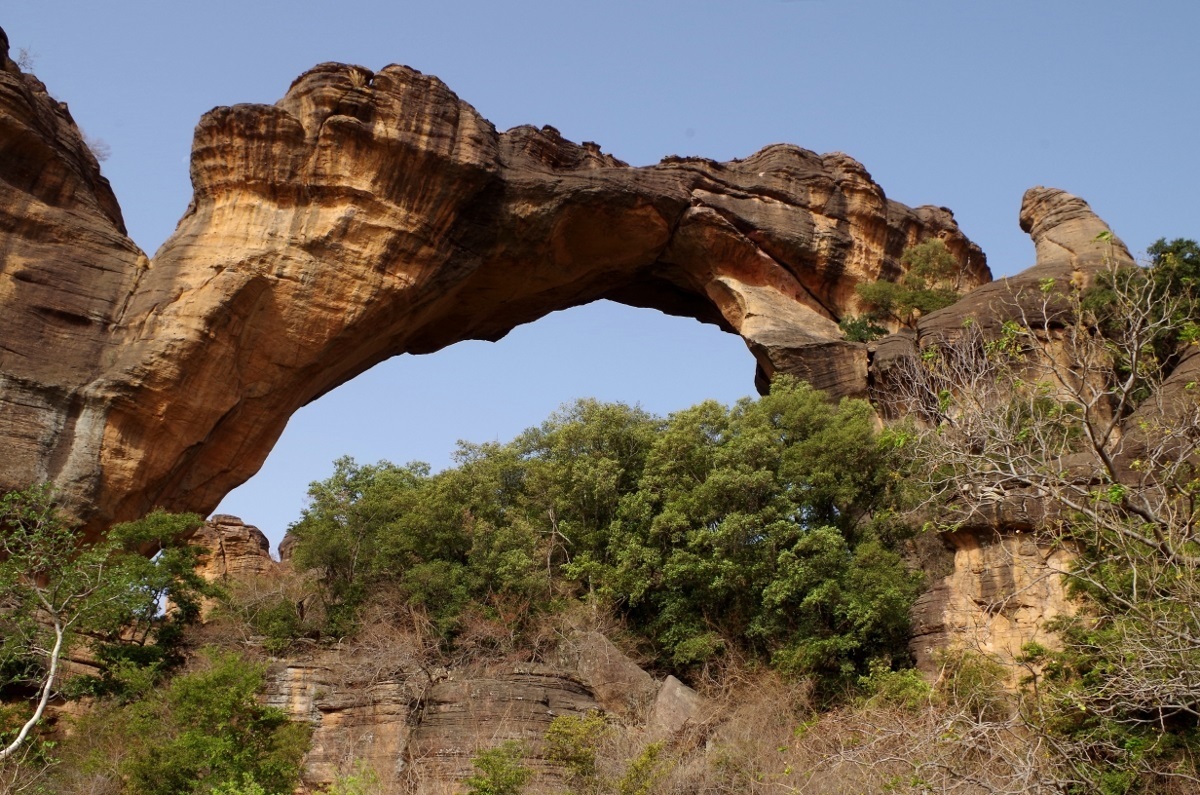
x=367, y=215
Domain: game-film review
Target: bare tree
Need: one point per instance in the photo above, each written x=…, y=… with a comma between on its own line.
x=26, y=59
x=1080, y=419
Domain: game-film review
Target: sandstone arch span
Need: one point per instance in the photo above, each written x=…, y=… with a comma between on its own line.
x=369, y=214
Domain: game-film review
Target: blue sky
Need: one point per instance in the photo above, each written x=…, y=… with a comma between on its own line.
x=959, y=103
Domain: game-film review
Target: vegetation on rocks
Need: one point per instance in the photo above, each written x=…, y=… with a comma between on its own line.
x=928, y=285
x=753, y=550
x=164, y=720
x=761, y=531
x=1085, y=406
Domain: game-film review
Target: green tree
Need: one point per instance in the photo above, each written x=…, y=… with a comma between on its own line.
x=928, y=284
x=580, y=464
x=53, y=589
x=762, y=528
x=1175, y=269
x=361, y=523
x=207, y=730
x=754, y=527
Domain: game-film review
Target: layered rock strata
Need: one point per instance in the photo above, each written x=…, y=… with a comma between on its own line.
x=230, y=548
x=376, y=701
x=367, y=215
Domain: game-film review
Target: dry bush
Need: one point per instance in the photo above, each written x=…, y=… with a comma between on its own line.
x=275, y=612
x=965, y=737
x=26, y=771
x=394, y=638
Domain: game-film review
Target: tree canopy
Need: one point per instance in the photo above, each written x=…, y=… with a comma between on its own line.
x=759, y=529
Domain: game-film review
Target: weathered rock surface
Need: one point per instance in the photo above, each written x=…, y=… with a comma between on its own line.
x=366, y=215
x=230, y=548
x=66, y=272
x=459, y=718
x=1072, y=245
x=354, y=721
x=1007, y=583
x=416, y=731
x=1006, y=587
x=676, y=707
x=419, y=728
x=617, y=683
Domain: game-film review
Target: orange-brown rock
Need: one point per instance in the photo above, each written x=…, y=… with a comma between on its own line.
x=369, y=214
x=418, y=727
x=1072, y=245
x=231, y=549
x=1005, y=589
x=66, y=272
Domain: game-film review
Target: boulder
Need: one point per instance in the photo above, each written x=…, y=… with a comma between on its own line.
x=676, y=707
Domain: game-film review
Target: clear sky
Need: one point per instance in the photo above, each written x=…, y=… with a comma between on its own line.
x=959, y=103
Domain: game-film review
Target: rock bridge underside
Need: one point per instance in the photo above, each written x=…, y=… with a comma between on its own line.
x=370, y=214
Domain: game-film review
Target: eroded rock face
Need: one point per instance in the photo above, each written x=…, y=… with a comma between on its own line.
x=1007, y=585
x=418, y=728
x=460, y=717
x=366, y=215
x=230, y=548
x=67, y=270
x=618, y=684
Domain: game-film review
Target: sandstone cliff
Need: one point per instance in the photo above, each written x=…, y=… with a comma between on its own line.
x=370, y=214
x=366, y=215
x=1004, y=584
x=377, y=701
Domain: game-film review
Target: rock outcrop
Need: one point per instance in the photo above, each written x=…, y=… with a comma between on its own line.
x=367, y=215
x=419, y=728
x=230, y=548
x=1005, y=588
x=379, y=701
x=1006, y=583
x=372, y=214
x=415, y=727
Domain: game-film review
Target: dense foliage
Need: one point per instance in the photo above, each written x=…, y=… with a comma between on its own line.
x=195, y=731
x=758, y=530
x=207, y=729
x=124, y=603
x=54, y=590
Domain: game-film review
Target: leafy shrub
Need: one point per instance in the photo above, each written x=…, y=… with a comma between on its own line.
x=862, y=328
x=207, y=729
x=644, y=771
x=502, y=770
x=362, y=781
x=928, y=285
x=905, y=688
x=572, y=740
